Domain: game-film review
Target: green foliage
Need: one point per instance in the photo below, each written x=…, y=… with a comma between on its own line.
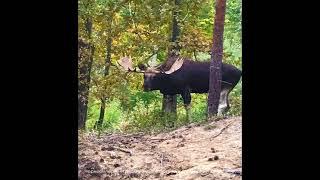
x=145, y=112
x=112, y=118
x=199, y=107
x=135, y=28
x=113, y=115
x=146, y=118
x=93, y=114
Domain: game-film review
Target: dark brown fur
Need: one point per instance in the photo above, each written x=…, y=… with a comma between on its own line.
x=192, y=77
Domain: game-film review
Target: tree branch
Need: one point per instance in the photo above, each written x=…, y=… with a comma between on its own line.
x=222, y=130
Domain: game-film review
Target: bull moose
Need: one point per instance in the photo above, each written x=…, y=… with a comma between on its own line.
x=184, y=77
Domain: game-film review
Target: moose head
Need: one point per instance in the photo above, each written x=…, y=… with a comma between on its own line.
x=153, y=76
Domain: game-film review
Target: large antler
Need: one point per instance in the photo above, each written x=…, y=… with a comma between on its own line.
x=127, y=64
x=175, y=66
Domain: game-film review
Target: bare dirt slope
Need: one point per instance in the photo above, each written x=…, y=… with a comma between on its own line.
x=207, y=151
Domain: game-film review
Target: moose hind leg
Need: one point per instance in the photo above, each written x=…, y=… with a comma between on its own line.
x=187, y=103
x=223, y=102
x=188, y=112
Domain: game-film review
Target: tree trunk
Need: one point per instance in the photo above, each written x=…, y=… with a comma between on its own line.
x=101, y=115
x=85, y=59
x=169, y=103
x=216, y=59
x=169, y=108
x=106, y=73
x=175, y=30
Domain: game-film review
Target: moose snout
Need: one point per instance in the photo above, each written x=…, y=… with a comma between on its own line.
x=146, y=88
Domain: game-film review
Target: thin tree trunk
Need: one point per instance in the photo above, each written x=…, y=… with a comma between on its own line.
x=216, y=59
x=106, y=73
x=169, y=103
x=101, y=115
x=175, y=29
x=85, y=59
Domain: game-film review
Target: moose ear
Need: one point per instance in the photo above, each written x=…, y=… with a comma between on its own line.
x=142, y=67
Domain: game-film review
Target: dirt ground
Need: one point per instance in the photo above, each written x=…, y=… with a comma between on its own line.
x=197, y=151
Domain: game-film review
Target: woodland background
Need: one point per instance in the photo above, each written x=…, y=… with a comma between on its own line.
x=142, y=29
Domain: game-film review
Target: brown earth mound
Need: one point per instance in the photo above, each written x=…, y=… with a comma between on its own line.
x=207, y=151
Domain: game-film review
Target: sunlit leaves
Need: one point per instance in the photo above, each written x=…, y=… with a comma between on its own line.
x=195, y=40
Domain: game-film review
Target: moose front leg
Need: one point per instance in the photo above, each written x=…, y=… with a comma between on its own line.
x=187, y=102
